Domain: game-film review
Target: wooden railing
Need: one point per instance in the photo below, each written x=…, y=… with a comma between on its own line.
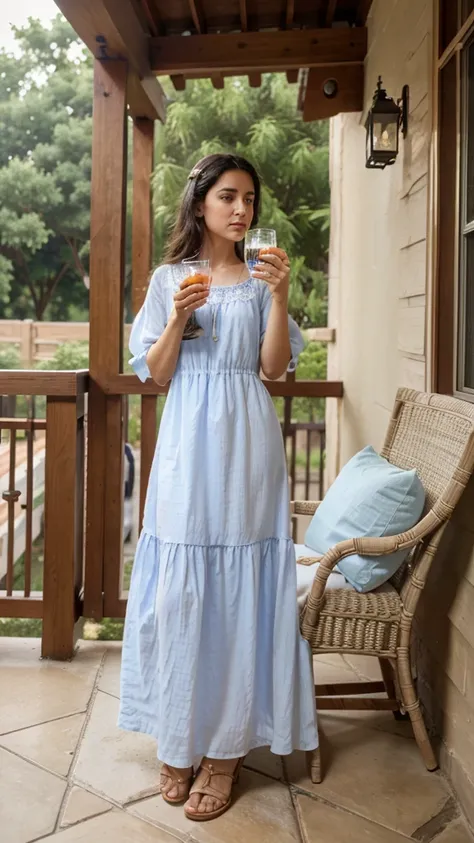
x=58, y=603
x=101, y=591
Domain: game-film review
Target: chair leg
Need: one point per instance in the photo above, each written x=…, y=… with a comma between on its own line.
x=314, y=765
x=313, y=757
x=388, y=668
x=411, y=704
x=387, y=676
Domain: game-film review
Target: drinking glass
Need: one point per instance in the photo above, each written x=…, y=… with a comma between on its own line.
x=194, y=272
x=255, y=240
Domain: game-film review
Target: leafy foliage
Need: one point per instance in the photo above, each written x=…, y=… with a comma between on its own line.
x=45, y=165
x=68, y=356
x=291, y=156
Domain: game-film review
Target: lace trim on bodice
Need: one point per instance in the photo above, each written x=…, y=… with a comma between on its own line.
x=235, y=292
x=222, y=295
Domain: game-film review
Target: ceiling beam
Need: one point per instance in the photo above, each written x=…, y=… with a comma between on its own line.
x=179, y=82
x=197, y=15
x=363, y=11
x=154, y=21
x=255, y=80
x=290, y=13
x=330, y=12
x=116, y=22
x=143, y=99
x=292, y=76
x=218, y=82
x=241, y=53
x=349, y=96
x=244, y=24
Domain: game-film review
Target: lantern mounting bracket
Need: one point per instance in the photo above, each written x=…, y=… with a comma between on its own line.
x=403, y=104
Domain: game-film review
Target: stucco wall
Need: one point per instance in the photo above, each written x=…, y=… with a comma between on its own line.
x=378, y=306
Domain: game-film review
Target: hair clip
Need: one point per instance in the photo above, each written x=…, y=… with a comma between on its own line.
x=194, y=174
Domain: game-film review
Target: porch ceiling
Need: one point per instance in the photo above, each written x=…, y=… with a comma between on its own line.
x=188, y=39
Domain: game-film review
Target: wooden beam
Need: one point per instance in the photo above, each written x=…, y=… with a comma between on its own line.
x=290, y=13
x=363, y=10
x=153, y=19
x=244, y=24
x=197, y=15
x=292, y=76
x=108, y=201
x=144, y=99
x=260, y=51
x=316, y=105
x=21, y=607
x=142, y=229
x=218, y=81
x=255, y=80
x=131, y=385
x=116, y=23
x=330, y=11
x=179, y=82
x=32, y=382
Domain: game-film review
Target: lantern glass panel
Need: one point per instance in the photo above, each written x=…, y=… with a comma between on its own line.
x=385, y=133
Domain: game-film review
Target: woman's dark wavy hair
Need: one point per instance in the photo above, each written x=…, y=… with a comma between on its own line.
x=186, y=238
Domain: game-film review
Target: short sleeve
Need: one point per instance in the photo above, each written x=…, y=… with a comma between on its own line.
x=149, y=323
x=296, y=338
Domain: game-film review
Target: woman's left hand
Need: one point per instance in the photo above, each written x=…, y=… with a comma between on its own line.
x=274, y=268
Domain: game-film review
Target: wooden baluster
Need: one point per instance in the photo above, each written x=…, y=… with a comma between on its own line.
x=308, y=465
x=322, y=450
x=28, y=507
x=147, y=449
x=11, y=496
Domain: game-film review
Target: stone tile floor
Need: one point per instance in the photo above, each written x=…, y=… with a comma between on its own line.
x=67, y=773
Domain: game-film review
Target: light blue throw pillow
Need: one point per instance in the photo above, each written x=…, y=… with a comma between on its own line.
x=370, y=497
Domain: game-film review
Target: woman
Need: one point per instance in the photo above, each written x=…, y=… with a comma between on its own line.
x=213, y=664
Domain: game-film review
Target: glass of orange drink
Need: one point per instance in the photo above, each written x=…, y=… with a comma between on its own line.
x=194, y=272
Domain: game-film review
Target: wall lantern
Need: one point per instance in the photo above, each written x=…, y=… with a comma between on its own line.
x=384, y=121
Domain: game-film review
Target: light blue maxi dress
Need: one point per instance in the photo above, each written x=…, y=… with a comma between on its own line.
x=213, y=662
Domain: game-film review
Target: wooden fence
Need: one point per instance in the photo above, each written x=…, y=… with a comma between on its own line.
x=37, y=341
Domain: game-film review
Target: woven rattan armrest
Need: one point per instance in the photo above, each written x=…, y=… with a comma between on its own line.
x=364, y=547
x=304, y=507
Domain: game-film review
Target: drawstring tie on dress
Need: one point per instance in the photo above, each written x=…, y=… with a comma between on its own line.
x=214, y=327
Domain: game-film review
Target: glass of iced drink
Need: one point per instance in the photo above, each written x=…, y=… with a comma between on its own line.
x=194, y=272
x=257, y=240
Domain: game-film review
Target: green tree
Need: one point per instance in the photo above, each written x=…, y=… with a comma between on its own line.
x=291, y=156
x=45, y=164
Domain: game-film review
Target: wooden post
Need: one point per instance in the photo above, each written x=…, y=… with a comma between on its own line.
x=142, y=247
x=142, y=226
x=27, y=350
x=108, y=205
x=60, y=519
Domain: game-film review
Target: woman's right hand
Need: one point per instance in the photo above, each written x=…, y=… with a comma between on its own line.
x=190, y=298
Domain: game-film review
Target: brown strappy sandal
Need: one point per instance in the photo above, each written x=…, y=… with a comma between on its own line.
x=207, y=789
x=172, y=774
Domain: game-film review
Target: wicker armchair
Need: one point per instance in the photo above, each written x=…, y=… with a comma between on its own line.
x=435, y=435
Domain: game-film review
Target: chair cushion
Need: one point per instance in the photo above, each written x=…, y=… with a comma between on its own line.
x=370, y=497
